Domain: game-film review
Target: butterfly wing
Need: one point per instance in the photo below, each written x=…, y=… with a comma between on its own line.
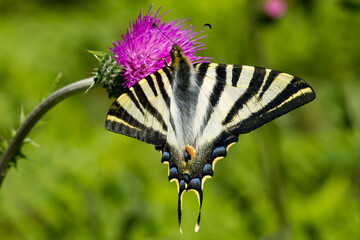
x=238, y=99
x=245, y=97
x=143, y=111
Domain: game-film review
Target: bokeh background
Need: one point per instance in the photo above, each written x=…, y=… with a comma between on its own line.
x=295, y=178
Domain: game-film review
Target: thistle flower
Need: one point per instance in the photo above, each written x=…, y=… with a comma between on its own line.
x=143, y=49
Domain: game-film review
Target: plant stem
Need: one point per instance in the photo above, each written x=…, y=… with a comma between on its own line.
x=35, y=115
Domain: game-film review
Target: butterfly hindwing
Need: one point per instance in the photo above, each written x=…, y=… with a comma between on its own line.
x=143, y=111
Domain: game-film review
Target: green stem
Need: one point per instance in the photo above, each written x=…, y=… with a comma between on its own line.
x=35, y=115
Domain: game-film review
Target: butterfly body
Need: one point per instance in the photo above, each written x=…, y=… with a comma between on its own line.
x=194, y=113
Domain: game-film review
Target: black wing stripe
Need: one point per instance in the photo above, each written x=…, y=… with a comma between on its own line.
x=134, y=100
x=151, y=84
x=236, y=71
x=253, y=88
x=269, y=80
x=144, y=101
x=164, y=94
x=279, y=106
x=129, y=126
x=215, y=94
x=202, y=69
x=168, y=73
x=119, y=112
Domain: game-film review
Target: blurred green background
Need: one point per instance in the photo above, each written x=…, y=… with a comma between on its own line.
x=295, y=178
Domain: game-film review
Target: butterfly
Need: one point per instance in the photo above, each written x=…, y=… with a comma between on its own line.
x=193, y=113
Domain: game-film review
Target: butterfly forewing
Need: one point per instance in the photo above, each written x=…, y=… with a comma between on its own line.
x=143, y=111
x=248, y=97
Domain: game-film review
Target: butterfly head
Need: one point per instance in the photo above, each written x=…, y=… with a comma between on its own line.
x=178, y=57
x=176, y=51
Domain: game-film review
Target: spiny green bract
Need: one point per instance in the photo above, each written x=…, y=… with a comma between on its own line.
x=108, y=74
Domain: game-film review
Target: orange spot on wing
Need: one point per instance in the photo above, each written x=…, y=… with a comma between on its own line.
x=191, y=151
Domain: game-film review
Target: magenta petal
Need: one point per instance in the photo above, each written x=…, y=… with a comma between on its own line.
x=142, y=50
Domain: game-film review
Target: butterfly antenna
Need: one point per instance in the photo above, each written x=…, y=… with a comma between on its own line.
x=205, y=25
x=198, y=32
x=156, y=27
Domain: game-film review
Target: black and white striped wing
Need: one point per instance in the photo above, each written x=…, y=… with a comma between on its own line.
x=143, y=111
x=245, y=97
x=237, y=99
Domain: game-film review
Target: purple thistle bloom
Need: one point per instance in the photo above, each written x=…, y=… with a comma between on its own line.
x=143, y=49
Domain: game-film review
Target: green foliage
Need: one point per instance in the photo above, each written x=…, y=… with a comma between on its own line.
x=4, y=143
x=296, y=178
x=7, y=136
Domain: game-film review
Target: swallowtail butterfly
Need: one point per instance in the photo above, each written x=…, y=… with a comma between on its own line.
x=194, y=113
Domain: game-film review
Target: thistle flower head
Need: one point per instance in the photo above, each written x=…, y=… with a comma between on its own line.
x=143, y=49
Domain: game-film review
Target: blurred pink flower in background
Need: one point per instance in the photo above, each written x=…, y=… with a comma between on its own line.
x=275, y=8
